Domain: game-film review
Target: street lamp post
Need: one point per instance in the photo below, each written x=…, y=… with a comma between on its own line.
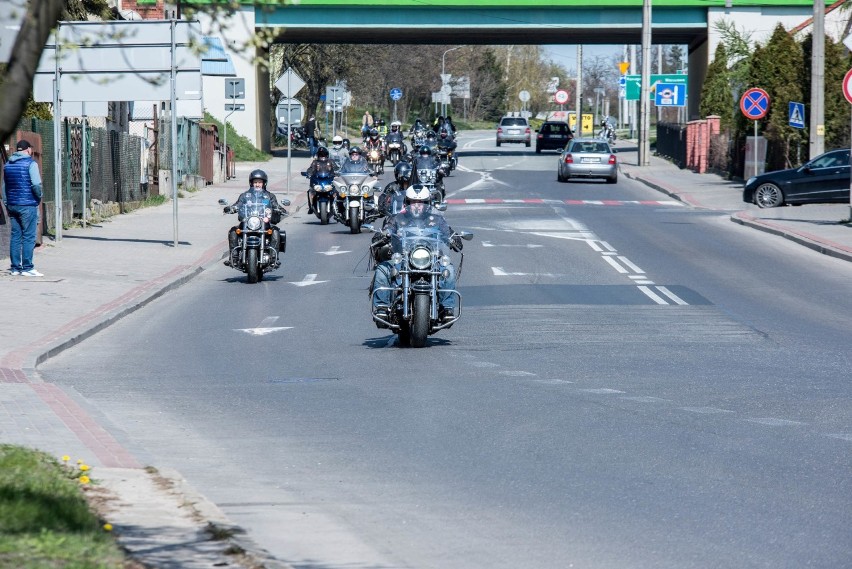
x=443, y=74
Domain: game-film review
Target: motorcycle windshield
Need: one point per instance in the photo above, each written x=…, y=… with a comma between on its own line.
x=261, y=208
x=421, y=231
x=322, y=178
x=354, y=177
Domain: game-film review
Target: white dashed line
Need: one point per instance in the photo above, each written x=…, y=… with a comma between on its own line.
x=773, y=422
x=706, y=410
x=652, y=295
x=675, y=298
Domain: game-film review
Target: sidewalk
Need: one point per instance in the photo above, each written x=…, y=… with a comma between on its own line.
x=95, y=276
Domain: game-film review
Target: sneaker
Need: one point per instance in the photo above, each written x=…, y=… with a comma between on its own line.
x=14, y=272
x=31, y=273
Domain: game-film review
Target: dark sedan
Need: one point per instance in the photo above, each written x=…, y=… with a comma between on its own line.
x=553, y=135
x=825, y=179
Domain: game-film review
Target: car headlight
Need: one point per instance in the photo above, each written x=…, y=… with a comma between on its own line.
x=420, y=258
x=750, y=180
x=253, y=223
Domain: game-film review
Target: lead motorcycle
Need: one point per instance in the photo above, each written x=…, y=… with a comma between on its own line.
x=254, y=255
x=355, y=202
x=419, y=258
x=322, y=195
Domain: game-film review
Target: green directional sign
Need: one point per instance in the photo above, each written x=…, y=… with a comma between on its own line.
x=633, y=84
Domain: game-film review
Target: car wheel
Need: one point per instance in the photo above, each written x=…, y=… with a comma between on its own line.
x=612, y=180
x=537, y=150
x=559, y=176
x=768, y=195
x=498, y=144
x=527, y=144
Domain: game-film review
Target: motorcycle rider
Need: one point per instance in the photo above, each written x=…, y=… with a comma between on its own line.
x=338, y=153
x=382, y=128
x=417, y=210
x=396, y=136
x=257, y=192
x=391, y=199
x=355, y=164
x=321, y=165
x=425, y=159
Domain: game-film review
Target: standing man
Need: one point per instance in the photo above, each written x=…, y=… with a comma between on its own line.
x=23, y=195
x=367, y=124
x=311, y=131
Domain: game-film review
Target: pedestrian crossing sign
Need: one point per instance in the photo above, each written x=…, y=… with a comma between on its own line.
x=797, y=115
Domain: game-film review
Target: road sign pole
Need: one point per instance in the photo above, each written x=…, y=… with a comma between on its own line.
x=755, y=148
x=289, y=134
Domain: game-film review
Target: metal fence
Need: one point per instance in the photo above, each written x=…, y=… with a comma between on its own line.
x=671, y=142
x=120, y=167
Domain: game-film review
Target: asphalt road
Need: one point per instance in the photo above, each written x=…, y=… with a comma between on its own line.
x=633, y=383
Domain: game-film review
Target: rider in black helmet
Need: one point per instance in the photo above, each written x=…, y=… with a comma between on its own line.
x=257, y=192
x=321, y=164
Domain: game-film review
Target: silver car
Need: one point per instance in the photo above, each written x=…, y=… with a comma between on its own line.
x=513, y=129
x=588, y=158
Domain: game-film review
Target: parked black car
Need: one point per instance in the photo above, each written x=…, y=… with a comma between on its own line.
x=553, y=135
x=825, y=179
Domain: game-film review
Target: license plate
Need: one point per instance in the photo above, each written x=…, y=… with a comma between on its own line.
x=590, y=160
x=514, y=131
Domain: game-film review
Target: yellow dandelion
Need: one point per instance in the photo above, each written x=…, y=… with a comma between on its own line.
x=107, y=527
x=65, y=458
x=84, y=467
x=84, y=479
x=79, y=461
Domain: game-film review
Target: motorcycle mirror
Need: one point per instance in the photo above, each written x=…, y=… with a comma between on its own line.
x=284, y=202
x=223, y=201
x=305, y=174
x=466, y=235
x=440, y=206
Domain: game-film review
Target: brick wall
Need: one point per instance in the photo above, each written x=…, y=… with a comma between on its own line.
x=148, y=10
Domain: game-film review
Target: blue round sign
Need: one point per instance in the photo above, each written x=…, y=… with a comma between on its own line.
x=396, y=94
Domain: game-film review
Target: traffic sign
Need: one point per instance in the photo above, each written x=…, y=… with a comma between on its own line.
x=524, y=96
x=289, y=83
x=396, y=94
x=289, y=111
x=847, y=86
x=670, y=95
x=235, y=88
x=755, y=103
x=235, y=107
x=561, y=97
x=633, y=84
x=797, y=115
x=623, y=66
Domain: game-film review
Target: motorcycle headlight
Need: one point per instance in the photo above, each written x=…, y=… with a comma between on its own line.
x=342, y=191
x=420, y=258
x=396, y=258
x=445, y=261
x=318, y=187
x=353, y=189
x=367, y=190
x=254, y=223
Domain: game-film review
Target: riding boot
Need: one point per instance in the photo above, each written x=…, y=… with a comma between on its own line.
x=310, y=203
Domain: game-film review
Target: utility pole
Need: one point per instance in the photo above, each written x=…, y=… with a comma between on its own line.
x=578, y=126
x=817, y=122
x=645, y=91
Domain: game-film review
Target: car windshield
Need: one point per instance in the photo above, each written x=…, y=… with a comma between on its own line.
x=513, y=122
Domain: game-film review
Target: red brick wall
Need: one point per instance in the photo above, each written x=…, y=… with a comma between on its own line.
x=148, y=10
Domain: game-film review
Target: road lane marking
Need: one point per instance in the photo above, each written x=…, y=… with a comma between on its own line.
x=673, y=296
x=310, y=279
x=652, y=295
x=264, y=328
x=615, y=265
x=774, y=422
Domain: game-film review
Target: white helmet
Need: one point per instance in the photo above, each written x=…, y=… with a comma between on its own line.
x=417, y=193
x=337, y=140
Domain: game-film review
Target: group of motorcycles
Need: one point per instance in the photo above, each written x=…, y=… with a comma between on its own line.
x=418, y=259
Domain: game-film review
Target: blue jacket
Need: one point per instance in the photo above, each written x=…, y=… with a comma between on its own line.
x=22, y=180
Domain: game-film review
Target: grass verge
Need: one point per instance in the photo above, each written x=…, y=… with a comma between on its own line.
x=45, y=521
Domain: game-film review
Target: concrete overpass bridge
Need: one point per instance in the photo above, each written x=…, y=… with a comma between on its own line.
x=488, y=22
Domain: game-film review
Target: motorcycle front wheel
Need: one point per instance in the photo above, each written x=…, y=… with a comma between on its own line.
x=323, y=213
x=252, y=268
x=354, y=220
x=420, y=320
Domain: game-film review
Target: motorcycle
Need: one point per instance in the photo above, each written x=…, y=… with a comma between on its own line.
x=254, y=254
x=395, y=151
x=607, y=132
x=420, y=258
x=355, y=202
x=448, y=160
x=376, y=159
x=431, y=178
x=322, y=195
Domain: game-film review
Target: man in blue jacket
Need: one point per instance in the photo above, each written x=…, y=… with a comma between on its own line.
x=23, y=195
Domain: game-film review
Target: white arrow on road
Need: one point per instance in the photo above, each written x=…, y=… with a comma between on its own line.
x=264, y=328
x=308, y=281
x=335, y=250
x=499, y=272
x=527, y=246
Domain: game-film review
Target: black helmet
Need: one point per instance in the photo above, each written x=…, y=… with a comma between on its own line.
x=346, y=142
x=431, y=135
x=444, y=133
x=402, y=172
x=354, y=150
x=381, y=122
x=425, y=150
x=258, y=175
x=374, y=132
x=322, y=152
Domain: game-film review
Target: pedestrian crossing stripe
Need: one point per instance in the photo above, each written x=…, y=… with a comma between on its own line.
x=541, y=201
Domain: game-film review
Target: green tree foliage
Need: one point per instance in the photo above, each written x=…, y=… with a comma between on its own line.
x=487, y=102
x=776, y=69
x=716, y=96
x=837, y=108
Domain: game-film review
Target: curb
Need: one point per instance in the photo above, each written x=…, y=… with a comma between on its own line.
x=808, y=241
